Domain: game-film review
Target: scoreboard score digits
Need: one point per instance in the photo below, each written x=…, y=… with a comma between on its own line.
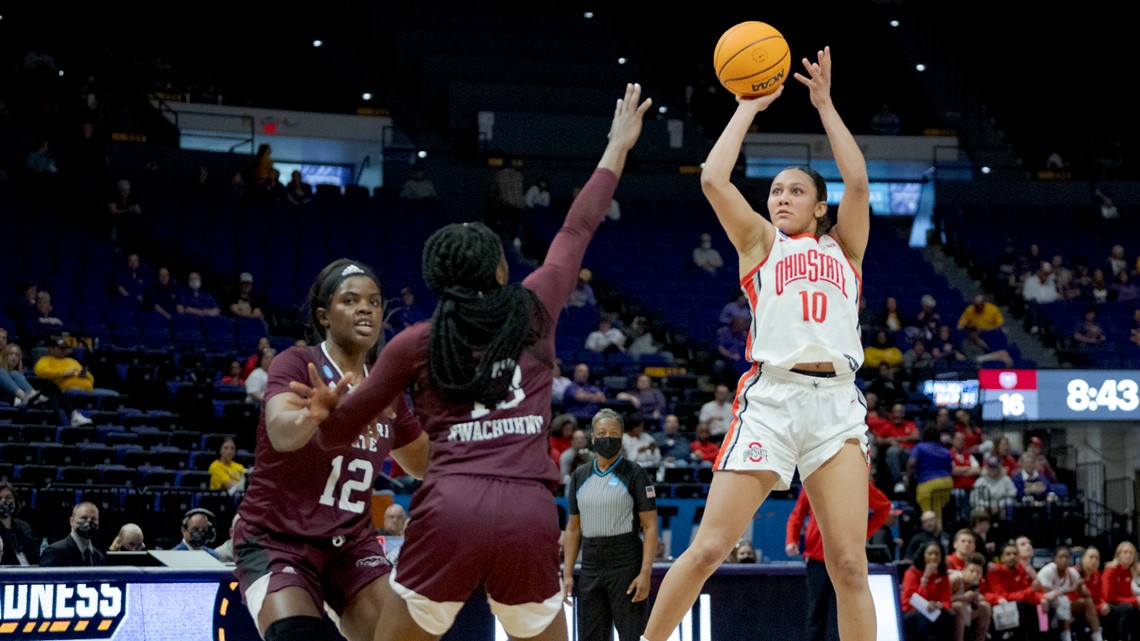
x=1074, y=395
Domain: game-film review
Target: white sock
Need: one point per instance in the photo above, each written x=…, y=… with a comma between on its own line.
x=1097, y=636
x=1066, y=635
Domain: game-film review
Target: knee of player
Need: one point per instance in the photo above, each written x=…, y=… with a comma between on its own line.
x=848, y=569
x=711, y=551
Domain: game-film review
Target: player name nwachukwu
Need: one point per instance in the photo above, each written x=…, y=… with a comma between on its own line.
x=494, y=428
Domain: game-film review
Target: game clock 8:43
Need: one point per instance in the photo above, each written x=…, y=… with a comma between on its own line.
x=1109, y=394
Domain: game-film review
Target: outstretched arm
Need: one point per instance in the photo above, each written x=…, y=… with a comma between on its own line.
x=751, y=234
x=555, y=279
x=854, y=218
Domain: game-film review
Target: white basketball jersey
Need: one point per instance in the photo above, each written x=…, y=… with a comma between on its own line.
x=805, y=305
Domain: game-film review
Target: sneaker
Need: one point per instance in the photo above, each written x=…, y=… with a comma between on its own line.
x=35, y=398
x=16, y=402
x=78, y=419
x=900, y=487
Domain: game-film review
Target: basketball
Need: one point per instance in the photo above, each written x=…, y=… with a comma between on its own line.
x=752, y=59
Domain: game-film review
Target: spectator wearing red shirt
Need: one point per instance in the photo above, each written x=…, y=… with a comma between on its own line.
x=964, y=545
x=1008, y=581
x=928, y=578
x=1004, y=453
x=964, y=424
x=1116, y=590
x=561, y=436
x=965, y=468
x=1089, y=568
x=896, y=437
x=822, y=615
x=705, y=449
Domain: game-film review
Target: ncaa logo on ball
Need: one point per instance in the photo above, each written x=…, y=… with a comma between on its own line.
x=770, y=82
x=759, y=55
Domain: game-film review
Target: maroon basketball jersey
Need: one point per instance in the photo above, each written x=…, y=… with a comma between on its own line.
x=313, y=492
x=510, y=439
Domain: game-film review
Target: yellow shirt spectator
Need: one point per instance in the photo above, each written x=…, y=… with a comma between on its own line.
x=981, y=314
x=882, y=350
x=223, y=473
x=66, y=372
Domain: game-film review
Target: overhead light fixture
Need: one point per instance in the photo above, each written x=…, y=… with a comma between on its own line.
x=366, y=96
x=318, y=43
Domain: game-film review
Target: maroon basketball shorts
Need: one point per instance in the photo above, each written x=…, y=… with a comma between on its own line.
x=468, y=531
x=332, y=571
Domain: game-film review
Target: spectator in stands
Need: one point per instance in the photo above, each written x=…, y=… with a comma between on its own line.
x=1008, y=581
x=891, y=318
x=705, y=448
x=706, y=257
x=737, y=307
x=639, y=340
x=1037, y=446
x=1088, y=332
x=931, y=466
x=945, y=350
x=964, y=424
x=418, y=186
x=981, y=314
x=561, y=435
x=253, y=361
x=963, y=546
x=970, y=606
x=1124, y=289
x=976, y=349
x=928, y=579
x=408, y=313
x=732, y=346
x=928, y=313
x=1057, y=580
x=675, y=448
x=298, y=193
x=129, y=539
x=1063, y=273
x=561, y=382
x=226, y=473
x=1115, y=262
x=257, y=380
x=648, y=400
x=717, y=413
x=886, y=122
x=980, y=524
x=45, y=322
x=1116, y=589
x=126, y=214
x=41, y=164
x=965, y=469
x=1090, y=570
x=163, y=295
x=246, y=302
x=1134, y=333
x=931, y=532
x=882, y=350
x=1098, y=289
x=24, y=305
x=888, y=388
x=63, y=371
x=395, y=520
x=1037, y=290
x=1080, y=284
x=895, y=439
x=538, y=195
x=640, y=446
x=131, y=283
x=12, y=378
x=993, y=491
x=583, y=293
x=234, y=375
x=1030, y=483
x=582, y=398
x=918, y=363
x=78, y=547
x=578, y=453
x=196, y=302
x=1003, y=450
x=606, y=338
x=20, y=546
x=867, y=320
x=197, y=532
x=1025, y=554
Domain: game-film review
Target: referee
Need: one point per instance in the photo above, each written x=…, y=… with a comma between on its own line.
x=611, y=499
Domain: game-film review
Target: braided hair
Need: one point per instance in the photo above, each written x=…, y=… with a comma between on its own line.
x=477, y=323
x=321, y=294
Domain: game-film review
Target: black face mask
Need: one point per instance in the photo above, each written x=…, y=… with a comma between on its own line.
x=607, y=446
x=746, y=559
x=87, y=529
x=200, y=538
x=7, y=508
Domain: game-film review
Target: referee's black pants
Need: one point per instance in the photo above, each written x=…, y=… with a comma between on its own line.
x=609, y=565
x=822, y=613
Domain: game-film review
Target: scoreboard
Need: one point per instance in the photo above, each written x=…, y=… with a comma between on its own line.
x=1060, y=394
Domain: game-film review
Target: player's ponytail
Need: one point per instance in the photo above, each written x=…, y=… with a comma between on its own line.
x=477, y=322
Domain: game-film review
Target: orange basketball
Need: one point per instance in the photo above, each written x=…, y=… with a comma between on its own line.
x=752, y=59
